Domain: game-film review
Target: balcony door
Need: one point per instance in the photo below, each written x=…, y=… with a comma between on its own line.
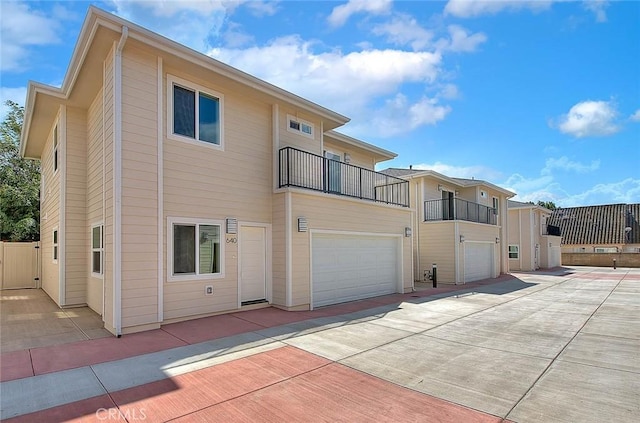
x=334, y=172
x=447, y=205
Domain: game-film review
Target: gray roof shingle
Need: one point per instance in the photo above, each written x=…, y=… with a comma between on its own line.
x=600, y=225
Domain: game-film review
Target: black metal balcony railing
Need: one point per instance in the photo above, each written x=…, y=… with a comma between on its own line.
x=553, y=230
x=306, y=170
x=459, y=209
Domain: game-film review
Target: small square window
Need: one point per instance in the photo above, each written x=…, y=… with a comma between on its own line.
x=514, y=251
x=55, y=245
x=300, y=126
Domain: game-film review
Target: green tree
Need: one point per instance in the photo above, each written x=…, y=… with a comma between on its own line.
x=547, y=205
x=19, y=183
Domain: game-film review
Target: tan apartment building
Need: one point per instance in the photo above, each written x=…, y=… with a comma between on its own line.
x=533, y=242
x=175, y=187
x=460, y=226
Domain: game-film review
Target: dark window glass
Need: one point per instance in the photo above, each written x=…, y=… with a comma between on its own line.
x=184, y=249
x=184, y=112
x=209, y=125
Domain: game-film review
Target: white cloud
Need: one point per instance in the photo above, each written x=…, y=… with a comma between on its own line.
x=590, y=119
x=598, y=8
x=234, y=36
x=625, y=191
x=636, y=116
x=340, y=14
x=22, y=28
x=473, y=8
x=449, y=92
x=363, y=83
x=16, y=94
x=405, y=30
x=468, y=172
x=460, y=40
x=563, y=163
x=262, y=8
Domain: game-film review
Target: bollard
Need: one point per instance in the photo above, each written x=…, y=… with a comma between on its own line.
x=435, y=275
x=614, y=264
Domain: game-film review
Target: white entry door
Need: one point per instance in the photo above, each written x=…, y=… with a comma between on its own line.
x=352, y=267
x=478, y=261
x=253, y=263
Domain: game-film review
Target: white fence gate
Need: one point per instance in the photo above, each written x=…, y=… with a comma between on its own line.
x=19, y=265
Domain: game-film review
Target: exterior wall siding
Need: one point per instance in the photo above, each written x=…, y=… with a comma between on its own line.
x=477, y=232
x=205, y=183
x=76, y=235
x=279, y=263
x=358, y=157
x=139, y=188
x=94, y=198
x=108, y=113
x=49, y=219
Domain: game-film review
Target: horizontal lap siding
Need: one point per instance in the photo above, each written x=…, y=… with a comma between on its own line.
x=279, y=292
x=94, y=194
x=49, y=219
x=339, y=214
x=205, y=183
x=515, y=226
x=358, y=157
x=437, y=245
x=139, y=244
x=76, y=238
x=108, y=192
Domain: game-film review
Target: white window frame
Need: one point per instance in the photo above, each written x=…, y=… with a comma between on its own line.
x=516, y=252
x=601, y=250
x=174, y=80
x=55, y=244
x=55, y=150
x=171, y=277
x=100, y=250
x=495, y=202
x=301, y=122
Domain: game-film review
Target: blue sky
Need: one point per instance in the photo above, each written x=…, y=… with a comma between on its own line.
x=540, y=97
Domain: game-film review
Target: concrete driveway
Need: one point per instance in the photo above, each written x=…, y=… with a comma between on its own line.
x=557, y=347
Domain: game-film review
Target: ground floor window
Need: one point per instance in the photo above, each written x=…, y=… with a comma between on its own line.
x=55, y=245
x=196, y=248
x=97, y=249
x=514, y=251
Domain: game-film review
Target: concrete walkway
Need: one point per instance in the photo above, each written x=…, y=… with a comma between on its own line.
x=560, y=346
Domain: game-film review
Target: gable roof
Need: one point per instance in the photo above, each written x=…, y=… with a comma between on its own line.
x=601, y=225
x=461, y=182
x=99, y=31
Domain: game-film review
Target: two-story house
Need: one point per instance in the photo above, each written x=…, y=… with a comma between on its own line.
x=533, y=242
x=175, y=186
x=460, y=226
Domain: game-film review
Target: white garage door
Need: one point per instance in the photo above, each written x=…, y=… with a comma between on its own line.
x=478, y=261
x=555, y=256
x=352, y=267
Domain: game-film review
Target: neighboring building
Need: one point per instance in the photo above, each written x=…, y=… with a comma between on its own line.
x=610, y=228
x=533, y=242
x=175, y=186
x=460, y=225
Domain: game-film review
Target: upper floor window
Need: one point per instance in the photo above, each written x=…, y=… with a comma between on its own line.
x=496, y=205
x=55, y=149
x=300, y=126
x=195, y=113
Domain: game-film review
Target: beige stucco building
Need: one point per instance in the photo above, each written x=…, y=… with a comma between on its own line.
x=533, y=242
x=175, y=187
x=460, y=226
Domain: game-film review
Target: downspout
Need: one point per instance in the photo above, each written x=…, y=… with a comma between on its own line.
x=117, y=183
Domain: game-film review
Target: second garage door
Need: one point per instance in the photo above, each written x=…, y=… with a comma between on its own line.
x=478, y=261
x=352, y=267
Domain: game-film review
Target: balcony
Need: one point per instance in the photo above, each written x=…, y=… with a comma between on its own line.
x=459, y=209
x=309, y=171
x=553, y=230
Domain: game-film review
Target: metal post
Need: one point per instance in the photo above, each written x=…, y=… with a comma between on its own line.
x=435, y=275
x=614, y=264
